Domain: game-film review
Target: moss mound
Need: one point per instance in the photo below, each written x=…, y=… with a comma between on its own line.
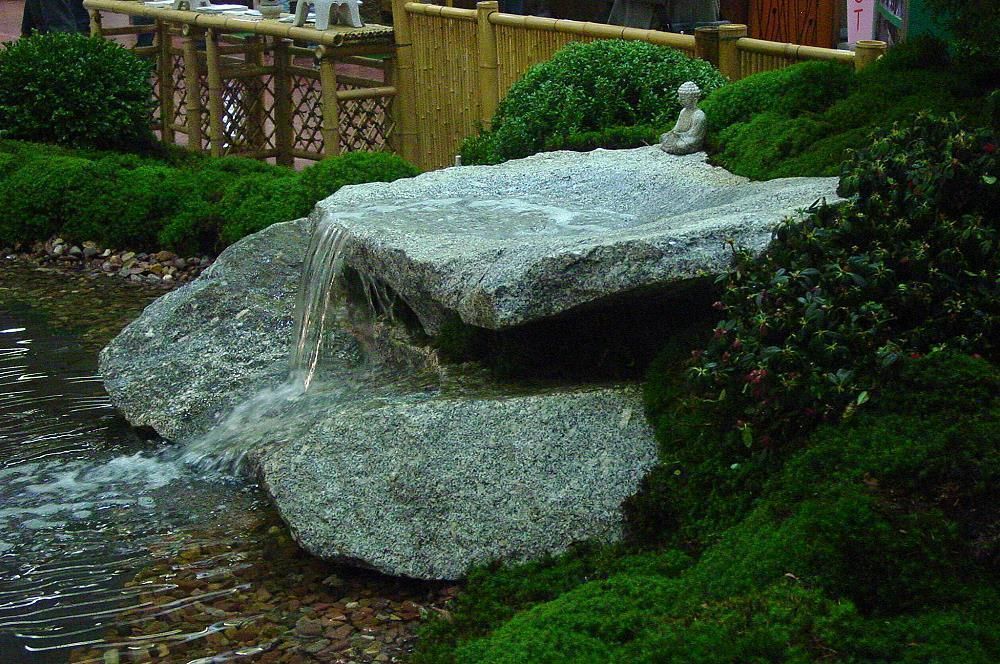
x=877, y=542
x=188, y=203
x=801, y=120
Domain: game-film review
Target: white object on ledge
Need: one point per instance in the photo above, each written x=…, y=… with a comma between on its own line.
x=346, y=12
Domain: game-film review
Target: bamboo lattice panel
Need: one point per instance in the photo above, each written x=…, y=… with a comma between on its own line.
x=365, y=124
x=446, y=67
x=307, y=115
x=248, y=115
x=180, y=91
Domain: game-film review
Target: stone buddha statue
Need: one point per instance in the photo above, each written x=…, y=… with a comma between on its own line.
x=688, y=134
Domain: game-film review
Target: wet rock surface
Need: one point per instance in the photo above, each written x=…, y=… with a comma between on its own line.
x=504, y=245
x=200, y=350
x=417, y=475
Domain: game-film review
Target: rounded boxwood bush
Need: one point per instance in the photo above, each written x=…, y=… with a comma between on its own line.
x=589, y=87
x=326, y=177
x=73, y=90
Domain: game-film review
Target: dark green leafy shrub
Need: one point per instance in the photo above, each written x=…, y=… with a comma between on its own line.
x=910, y=264
x=588, y=87
x=867, y=546
x=326, y=177
x=72, y=90
x=123, y=206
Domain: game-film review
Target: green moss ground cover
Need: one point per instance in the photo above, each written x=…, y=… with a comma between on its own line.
x=801, y=120
x=179, y=201
x=828, y=481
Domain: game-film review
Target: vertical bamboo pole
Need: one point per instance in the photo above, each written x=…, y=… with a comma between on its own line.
x=405, y=108
x=193, y=87
x=165, y=64
x=729, y=55
x=331, y=105
x=283, y=129
x=253, y=102
x=95, y=23
x=489, y=86
x=216, y=131
x=706, y=44
x=867, y=51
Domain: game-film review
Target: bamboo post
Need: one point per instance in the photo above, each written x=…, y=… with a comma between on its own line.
x=165, y=77
x=253, y=101
x=706, y=44
x=95, y=23
x=489, y=86
x=729, y=54
x=283, y=129
x=216, y=131
x=405, y=106
x=193, y=87
x=331, y=105
x=867, y=51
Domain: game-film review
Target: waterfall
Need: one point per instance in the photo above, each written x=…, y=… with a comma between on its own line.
x=323, y=263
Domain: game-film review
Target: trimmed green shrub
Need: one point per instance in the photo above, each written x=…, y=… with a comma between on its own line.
x=809, y=87
x=34, y=199
x=326, y=177
x=802, y=120
x=72, y=90
x=613, y=138
x=176, y=200
x=257, y=201
x=588, y=87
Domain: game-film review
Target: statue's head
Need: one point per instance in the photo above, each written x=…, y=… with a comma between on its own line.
x=688, y=94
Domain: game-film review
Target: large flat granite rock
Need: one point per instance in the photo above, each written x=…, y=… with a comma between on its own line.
x=505, y=245
x=413, y=475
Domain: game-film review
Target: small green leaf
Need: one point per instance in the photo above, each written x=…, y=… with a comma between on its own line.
x=990, y=179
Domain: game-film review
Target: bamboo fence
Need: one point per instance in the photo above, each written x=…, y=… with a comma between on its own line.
x=456, y=64
x=227, y=86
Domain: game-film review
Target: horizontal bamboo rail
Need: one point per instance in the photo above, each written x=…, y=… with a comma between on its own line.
x=453, y=13
x=794, y=51
x=366, y=93
x=335, y=36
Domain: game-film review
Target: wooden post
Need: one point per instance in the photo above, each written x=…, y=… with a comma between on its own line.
x=706, y=44
x=489, y=86
x=165, y=77
x=867, y=51
x=253, y=102
x=331, y=105
x=283, y=129
x=216, y=131
x=405, y=106
x=729, y=55
x=95, y=23
x=192, y=85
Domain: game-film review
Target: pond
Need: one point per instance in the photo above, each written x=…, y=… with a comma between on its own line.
x=113, y=549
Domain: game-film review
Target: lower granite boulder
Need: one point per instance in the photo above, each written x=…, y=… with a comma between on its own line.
x=427, y=490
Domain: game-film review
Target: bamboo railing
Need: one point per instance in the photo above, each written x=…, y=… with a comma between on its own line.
x=456, y=64
x=242, y=87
